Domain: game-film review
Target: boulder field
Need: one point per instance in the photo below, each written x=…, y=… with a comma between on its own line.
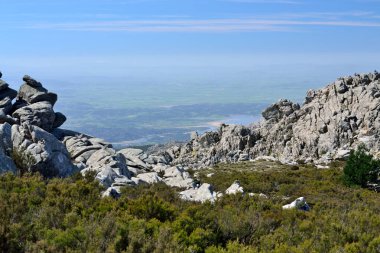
x=329, y=123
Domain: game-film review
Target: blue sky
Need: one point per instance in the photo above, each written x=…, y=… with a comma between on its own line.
x=91, y=37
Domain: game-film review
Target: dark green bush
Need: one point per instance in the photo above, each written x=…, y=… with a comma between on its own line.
x=361, y=168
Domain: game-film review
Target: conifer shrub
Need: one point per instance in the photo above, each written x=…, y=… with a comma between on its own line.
x=361, y=168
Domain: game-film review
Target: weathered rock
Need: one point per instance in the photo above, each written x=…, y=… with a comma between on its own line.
x=6, y=138
x=280, y=109
x=31, y=82
x=176, y=176
x=133, y=155
x=150, y=178
x=42, y=150
x=7, y=92
x=235, y=188
x=40, y=114
x=299, y=203
x=4, y=118
x=106, y=159
x=59, y=120
x=7, y=163
x=202, y=194
x=3, y=85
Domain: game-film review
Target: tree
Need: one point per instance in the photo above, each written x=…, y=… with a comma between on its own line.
x=360, y=168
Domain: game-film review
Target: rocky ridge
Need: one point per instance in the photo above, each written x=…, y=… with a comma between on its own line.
x=331, y=121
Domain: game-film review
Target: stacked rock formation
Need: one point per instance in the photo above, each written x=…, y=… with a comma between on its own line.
x=34, y=106
x=330, y=123
x=25, y=127
x=31, y=140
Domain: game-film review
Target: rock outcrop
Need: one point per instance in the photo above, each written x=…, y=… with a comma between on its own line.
x=45, y=153
x=26, y=144
x=34, y=105
x=330, y=123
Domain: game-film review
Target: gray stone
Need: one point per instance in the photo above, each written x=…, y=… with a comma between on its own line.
x=31, y=82
x=8, y=93
x=234, y=188
x=7, y=164
x=40, y=114
x=150, y=178
x=50, y=156
x=43, y=96
x=59, y=120
x=133, y=156
x=341, y=86
x=3, y=85
x=299, y=203
x=202, y=194
x=6, y=137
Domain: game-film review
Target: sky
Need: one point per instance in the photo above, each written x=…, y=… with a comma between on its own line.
x=111, y=37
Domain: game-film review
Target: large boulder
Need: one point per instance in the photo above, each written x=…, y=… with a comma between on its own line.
x=40, y=114
x=280, y=109
x=176, y=176
x=34, y=105
x=32, y=92
x=41, y=152
x=202, y=194
x=108, y=166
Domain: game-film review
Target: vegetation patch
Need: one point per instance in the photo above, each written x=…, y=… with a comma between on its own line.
x=69, y=215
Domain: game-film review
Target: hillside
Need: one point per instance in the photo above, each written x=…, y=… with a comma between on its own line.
x=68, y=215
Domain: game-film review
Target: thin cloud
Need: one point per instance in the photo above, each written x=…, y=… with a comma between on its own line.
x=202, y=25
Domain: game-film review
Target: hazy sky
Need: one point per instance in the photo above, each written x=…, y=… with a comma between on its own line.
x=104, y=37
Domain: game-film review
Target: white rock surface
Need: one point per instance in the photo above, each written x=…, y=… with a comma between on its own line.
x=202, y=194
x=150, y=177
x=234, y=188
x=299, y=203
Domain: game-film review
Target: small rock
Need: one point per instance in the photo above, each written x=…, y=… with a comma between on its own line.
x=202, y=194
x=30, y=81
x=234, y=188
x=299, y=203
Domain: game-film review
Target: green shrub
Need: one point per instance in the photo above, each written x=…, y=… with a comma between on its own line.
x=23, y=160
x=69, y=215
x=360, y=168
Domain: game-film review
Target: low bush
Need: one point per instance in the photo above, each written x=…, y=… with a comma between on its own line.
x=69, y=215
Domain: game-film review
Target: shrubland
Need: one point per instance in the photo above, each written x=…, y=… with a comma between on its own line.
x=69, y=215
